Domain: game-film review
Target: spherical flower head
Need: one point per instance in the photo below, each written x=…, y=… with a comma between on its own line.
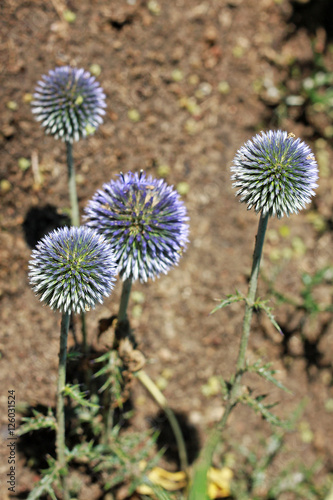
x=276, y=174
x=69, y=102
x=145, y=222
x=72, y=269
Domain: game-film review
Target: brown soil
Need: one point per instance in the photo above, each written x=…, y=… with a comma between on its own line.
x=158, y=58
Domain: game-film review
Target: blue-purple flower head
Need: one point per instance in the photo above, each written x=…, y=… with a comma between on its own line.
x=72, y=269
x=145, y=222
x=69, y=102
x=275, y=173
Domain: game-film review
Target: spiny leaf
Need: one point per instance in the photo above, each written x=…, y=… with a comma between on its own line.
x=263, y=409
x=268, y=374
x=112, y=371
x=102, y=358
x=238, y=297
x=262, y=304
x=82, y=450
x=122, y=459
x=37, y=422
x=45, y=485
x=73, y=391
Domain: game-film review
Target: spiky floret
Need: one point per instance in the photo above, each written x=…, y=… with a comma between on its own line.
x=69, y=102
x=71, y=269
x=145, y=222
x=276, y=174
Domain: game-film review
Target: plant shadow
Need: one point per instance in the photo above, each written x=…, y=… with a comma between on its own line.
x=39, y=221
x=166, y=439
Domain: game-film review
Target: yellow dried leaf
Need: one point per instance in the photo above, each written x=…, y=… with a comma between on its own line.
x=219, y=482
x=170, y=481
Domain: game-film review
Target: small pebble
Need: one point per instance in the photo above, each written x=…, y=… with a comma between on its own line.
x=134, y=115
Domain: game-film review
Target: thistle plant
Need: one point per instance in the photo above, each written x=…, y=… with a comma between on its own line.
x=275, y=174
x=146, y=224
x=70, y=103
x=71, y=270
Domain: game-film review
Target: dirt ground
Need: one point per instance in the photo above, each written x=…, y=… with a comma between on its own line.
x=187, y=82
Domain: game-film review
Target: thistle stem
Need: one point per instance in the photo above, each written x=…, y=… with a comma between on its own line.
x=200, y=474
x=122, y=315
x=84, y=334
x=75, y=217
x=162, y=402
x=125, y=295
x=108, y=415
x=60, y=433
x=150, y=385
x=251, y=296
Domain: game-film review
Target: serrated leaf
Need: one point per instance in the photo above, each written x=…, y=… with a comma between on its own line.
x=261, y=397
x=238, y=297
x=262, y=304
x=73, y=391
x=121, y=459
x=45, y=485
x=268, y=374
x=102, y=371
x=102, y=358
x=82, y=450
x=112, y=371
x=37, y=422
x=257, y=406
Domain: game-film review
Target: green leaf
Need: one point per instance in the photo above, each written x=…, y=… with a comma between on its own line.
x=258, y=407
x=199, y=487
x=120, y=460
x=37, y=422
x=267, y=373
x=112, y=372
x=81, y=451
x=102, y=358
x=238, y=297
x=73, y=391
x=262, y=304
x=45, y=485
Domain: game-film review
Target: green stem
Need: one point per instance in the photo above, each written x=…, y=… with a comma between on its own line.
x=60, y=434
x=108, y=416
x=84, y=334
x=75, y=217
x=199, y=485
x=125, y=295
x=251, y=296
x=149, y=384
x=122, y=316
x=162, y=402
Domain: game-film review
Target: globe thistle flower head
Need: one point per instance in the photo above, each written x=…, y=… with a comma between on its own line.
x=69, y=102
x=145, y=222
x=72, y=269
x=275, y=173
